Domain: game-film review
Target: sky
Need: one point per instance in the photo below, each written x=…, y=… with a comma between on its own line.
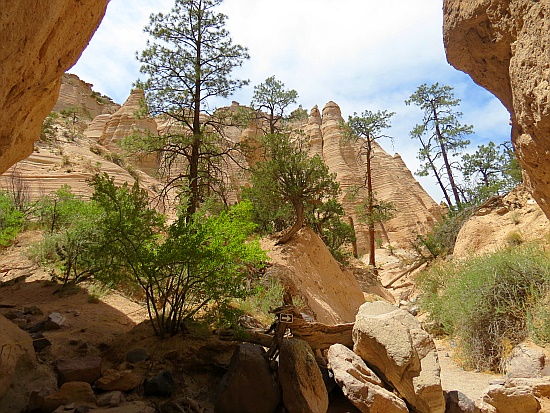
x=361, y=54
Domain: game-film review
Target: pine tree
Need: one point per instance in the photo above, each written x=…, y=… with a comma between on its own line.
x=190, y=60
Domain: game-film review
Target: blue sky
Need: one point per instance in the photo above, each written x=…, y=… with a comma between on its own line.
x=362, y=54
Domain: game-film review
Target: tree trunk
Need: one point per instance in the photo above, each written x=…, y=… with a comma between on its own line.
x=354, y=242
x=370, y=210
x=299, y=208
x=446, y=160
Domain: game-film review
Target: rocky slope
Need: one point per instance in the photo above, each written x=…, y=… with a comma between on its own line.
x=503, y=221
x=503, y=45
x=39, y=44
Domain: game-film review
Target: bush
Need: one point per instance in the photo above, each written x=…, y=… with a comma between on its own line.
x=440, y=241
x=198, y=262
x=486, y=302
x=71, y=230
x=11, y=220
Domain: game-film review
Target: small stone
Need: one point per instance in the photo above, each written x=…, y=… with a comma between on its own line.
x=33, y=310
x=86, y=369
x=37, y=327
x=54, y=322
x=39, y=342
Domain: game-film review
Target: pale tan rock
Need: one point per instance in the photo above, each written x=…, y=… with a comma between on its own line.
x=503, y=45
x=359, y=383
x=393, y=344
x=333, y=295
x=76, y=92
x=96, y=126
x=77, y=392
x=121, y=380
x=17, y=355
x=301, y=379
x=512, y=399
x=494, y=225
x=313, y=132
x=127, y=121
x=38, y=44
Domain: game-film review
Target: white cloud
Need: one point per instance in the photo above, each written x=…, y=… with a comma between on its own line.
x=362, y=54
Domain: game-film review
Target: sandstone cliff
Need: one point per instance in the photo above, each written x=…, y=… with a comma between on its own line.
x=501, y=222
x=416, y=211
x=38, y=44
x=503, y=45
x=77, y=93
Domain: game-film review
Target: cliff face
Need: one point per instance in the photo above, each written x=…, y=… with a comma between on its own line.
x=37, y=45
x=504, y=46
x=415, y=210
x=77, y=93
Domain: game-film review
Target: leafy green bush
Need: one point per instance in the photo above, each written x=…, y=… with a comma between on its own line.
x=265, y=295
x=11, y=220
x=197, y=262
x=486, y=302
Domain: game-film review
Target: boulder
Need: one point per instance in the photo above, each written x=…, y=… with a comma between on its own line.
x=110, y=399
x=359, y=383
x=136, y=355
x=511, y=398
x=161, y=385
x=77, y=392
x=54, y=322
x=121, y=380
x=86, y=369
x=248, y=386
x=394, y=345
x=301, y=380
x=526, y=361
x=458, y=402
x=17, y=355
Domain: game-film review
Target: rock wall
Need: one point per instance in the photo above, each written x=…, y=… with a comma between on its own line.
x=38, y=44
x=504, y=46
x=416, y=211
x=76, y=92
x=502, y=222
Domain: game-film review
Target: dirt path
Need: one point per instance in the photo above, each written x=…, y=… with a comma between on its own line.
x=454, y=377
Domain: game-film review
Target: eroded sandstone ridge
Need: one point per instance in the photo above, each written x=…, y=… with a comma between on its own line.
x=503, y=45
x=37, y=45
x=415, y=211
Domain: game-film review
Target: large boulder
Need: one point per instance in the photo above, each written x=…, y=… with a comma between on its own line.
x=301, y=379
x=39, y=44
x=248, y=386
x=399, y=351
x=16, y=356
x=86, y=369
x=359, y=383
x=503, y=45
x=512, y=398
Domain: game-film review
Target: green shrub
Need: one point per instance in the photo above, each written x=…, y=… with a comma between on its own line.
x=11, y=220
x=265, y=295
x=486, y=302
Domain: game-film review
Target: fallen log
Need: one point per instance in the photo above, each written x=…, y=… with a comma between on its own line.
x=317, y=335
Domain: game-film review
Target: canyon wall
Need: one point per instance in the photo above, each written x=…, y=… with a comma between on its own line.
x=38, y=44
x=504, y=46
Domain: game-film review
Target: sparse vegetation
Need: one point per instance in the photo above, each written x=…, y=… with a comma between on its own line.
x=11, y=220
x=489, y=303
